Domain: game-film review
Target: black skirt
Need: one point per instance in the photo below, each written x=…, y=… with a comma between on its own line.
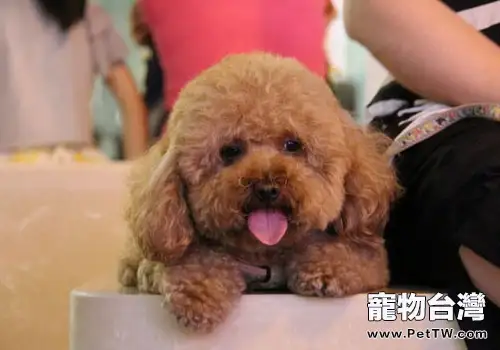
x=452, y=198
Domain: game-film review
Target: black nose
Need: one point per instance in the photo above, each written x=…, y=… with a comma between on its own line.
x=267, y=193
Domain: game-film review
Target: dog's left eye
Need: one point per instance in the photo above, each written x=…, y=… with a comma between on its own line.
x=292, y=146
x=230, y=153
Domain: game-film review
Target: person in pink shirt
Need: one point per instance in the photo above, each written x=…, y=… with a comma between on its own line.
x=192, y=35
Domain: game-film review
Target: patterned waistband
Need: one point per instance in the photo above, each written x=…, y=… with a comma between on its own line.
x=436, y=122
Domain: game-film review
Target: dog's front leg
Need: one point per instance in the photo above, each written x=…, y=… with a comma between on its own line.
x=128, y=266
x=336, y=267
x=200, y=290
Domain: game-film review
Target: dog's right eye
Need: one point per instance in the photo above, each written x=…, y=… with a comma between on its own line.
x=230, y=153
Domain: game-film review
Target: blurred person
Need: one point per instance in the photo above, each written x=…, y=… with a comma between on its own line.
x=192, y=35
x=442, y=109
x=330, y=14
x=344, y=90
x=154, y=85
x=51, y=52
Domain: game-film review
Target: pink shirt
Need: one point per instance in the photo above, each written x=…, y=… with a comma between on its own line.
x=192, y=35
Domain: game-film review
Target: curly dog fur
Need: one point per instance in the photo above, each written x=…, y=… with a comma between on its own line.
x=257, y=120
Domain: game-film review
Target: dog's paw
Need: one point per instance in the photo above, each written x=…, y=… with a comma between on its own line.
x=151, y=277
x=199, y=313
x=200, y=302
x=127, y=273
x=324, y=279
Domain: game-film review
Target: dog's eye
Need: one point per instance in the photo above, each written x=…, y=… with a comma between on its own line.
x=230, y=153
x=292, y=146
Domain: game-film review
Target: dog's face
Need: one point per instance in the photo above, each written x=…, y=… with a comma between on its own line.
x=258, y=154
x=263, y=159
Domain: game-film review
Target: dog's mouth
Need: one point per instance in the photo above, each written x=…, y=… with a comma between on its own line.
x=268, y=225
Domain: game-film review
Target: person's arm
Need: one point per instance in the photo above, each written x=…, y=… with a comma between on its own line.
x=484, y=275
x=428, y=48
x=109, y=54
x=135, y=132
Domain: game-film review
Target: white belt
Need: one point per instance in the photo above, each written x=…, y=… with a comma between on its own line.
x=429, y=123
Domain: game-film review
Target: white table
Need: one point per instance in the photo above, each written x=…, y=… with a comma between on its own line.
x=107, y=320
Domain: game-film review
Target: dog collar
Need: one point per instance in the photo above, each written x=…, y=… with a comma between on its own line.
x=262, y=277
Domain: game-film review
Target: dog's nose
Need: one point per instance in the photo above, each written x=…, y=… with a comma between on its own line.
x=266, y=192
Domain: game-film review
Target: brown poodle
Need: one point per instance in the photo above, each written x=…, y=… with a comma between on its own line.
x=260, y=167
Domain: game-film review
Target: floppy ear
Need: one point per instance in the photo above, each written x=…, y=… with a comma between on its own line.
x=370, y=185
x=158, y=215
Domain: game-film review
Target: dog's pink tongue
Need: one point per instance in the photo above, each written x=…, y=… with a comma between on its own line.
x=268, y=226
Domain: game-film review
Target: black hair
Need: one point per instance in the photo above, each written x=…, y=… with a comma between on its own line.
x=64, y=12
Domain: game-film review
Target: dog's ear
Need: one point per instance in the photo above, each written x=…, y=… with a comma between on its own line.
x=370, y=185
x=158, y=214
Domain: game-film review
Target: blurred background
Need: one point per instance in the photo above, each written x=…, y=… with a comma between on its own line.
x=101, y=76
x=352, y=69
